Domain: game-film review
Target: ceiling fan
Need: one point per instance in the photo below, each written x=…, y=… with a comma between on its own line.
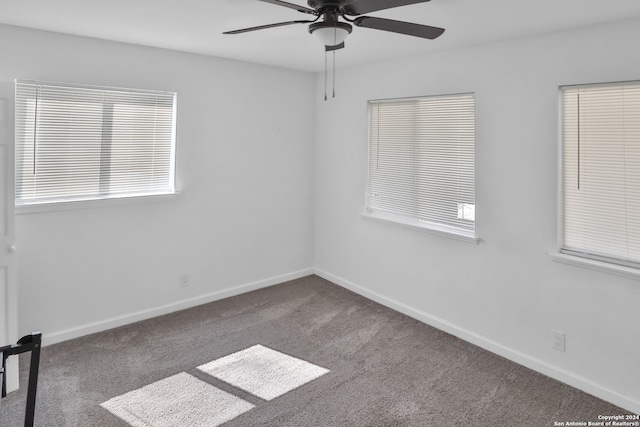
x=332, y=32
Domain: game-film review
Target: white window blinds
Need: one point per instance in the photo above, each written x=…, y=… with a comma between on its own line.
x=80, y=142
x=601, y=172
x=422, y=161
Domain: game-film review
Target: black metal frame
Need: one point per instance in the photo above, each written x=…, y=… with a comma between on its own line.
x=27, y=343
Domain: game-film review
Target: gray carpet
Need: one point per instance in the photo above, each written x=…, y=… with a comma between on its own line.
x=384, y=368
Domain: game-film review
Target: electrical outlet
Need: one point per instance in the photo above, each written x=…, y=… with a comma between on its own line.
x=557, y=339
x=184, y=280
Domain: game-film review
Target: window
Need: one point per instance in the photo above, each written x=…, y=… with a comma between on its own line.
x=422, y=162
x=601, y=172
x=85, y=143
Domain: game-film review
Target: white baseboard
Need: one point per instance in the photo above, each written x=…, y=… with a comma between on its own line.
x=530, y=362
x=114, y=322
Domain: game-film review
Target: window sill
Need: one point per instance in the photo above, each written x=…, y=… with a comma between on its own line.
x=449, y=232
x=93, y=203
x=606, y=267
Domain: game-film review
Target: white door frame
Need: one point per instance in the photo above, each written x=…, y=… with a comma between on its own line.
x=8, y=279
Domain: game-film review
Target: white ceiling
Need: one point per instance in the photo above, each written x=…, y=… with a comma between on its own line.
x=197, y=25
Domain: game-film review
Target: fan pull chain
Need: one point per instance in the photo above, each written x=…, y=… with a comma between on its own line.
x=333, y=77
x=325, y=75
x=333, y=74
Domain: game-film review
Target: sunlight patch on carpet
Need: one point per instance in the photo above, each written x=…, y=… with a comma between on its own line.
x=263, y=372
x=179, y=400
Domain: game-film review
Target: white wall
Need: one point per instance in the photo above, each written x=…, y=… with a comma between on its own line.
x=505, y=294
x=244, y=169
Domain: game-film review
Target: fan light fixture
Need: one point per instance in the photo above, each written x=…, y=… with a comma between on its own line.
x=330, y=33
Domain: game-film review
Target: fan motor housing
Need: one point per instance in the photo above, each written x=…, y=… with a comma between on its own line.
x=322, y=5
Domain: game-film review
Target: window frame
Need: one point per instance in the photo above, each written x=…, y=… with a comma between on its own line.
x=107, y=199
x=469, y=236
x=566, y=256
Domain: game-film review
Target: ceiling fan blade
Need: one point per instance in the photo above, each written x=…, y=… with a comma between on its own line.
x=264, y=27
x=359, y=7
x=400, y=27
x=292, y=6
x=332, y=48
